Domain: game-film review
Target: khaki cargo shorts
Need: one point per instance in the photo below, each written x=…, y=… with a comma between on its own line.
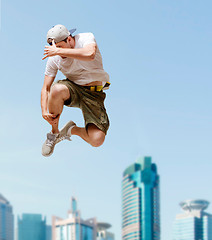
x=90, y=102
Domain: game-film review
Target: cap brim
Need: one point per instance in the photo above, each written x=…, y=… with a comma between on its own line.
x=72, y=30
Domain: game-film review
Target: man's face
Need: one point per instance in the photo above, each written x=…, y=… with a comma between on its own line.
x=62, y=44
x=65, y=44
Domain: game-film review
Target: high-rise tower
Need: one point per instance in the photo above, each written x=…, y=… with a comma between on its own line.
x=75, y=228
x=140, y=201
x=6, y=219
x=194, y=223
x=31, y=226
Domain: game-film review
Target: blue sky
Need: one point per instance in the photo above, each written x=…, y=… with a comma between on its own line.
x=158, y=55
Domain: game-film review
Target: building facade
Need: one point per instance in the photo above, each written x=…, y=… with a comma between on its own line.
x=194, y=223
x=6, y=219
x=75, y=228
x=141, y=201
x=33, y=227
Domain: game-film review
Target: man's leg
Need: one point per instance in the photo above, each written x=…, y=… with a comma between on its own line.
x=91, y=135
x=58, y=94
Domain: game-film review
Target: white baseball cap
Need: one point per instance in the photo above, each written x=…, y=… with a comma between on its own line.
x=58, y=33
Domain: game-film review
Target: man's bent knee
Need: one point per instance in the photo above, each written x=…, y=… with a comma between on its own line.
x=59, y=91
x=97, y=141
x=96, y=136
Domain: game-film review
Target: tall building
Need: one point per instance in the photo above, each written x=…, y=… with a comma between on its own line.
x=140, y=201
x=6, y=219
x=48, y=232
x=102, y=233
x=31, y=227
x=194, y=223
x=75, y=228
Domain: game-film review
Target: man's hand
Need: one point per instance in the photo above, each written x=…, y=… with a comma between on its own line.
x=51, y=118
x=50, y=51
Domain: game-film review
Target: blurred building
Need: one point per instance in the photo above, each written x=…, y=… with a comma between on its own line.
x=102, y=231
x=194, y=223
x=33, y=227
x=75, y=228
x=140, y=201
x=48, y=232
x=6, y=219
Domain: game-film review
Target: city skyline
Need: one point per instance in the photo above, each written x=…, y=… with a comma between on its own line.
x=194, y=223
x=33, y=225
x=158, y=56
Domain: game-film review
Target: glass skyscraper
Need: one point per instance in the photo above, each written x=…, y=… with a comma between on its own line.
x=32, y=227
x=6, y=219
x=194, y=223
x=75, y=228
x=140, y=201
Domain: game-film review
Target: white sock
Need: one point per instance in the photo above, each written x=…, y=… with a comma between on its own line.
x=69, y=131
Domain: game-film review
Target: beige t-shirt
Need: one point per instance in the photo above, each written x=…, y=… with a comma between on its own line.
x=80, y=72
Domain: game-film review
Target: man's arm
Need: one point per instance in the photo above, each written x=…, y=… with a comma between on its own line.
x=44, y=100
x=86, y=53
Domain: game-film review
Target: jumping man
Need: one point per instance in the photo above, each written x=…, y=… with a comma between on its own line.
x=79, y=59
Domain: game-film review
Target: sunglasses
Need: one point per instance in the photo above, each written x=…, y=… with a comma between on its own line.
x=49, y=41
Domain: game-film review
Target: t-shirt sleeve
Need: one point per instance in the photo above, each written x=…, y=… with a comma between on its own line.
x=88, y=38
x=51, y=67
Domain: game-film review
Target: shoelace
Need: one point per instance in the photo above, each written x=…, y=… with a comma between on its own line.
x=64, y=138
x=53, y=139
x=50, y=140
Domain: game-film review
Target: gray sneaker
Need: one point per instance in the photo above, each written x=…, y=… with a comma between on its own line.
x=48, y=146
x=65, y=132
x=53, y=139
